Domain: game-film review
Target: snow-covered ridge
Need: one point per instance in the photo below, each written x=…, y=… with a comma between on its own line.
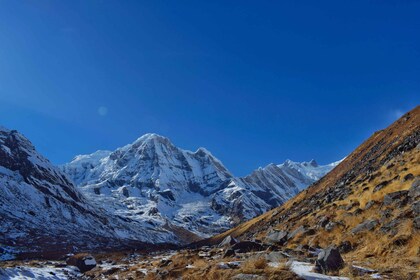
x=39, y=202
x=154, y=182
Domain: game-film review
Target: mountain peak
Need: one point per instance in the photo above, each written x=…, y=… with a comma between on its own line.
x=313, y=163
x=150, y=137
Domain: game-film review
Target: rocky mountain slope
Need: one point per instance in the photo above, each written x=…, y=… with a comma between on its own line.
x=368, y=206
x=41, y=209
x=154, y=182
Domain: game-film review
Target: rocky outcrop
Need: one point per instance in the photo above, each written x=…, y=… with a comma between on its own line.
x=329, y=260
x=83, y=262
x=277, y=237
x=365, y=226
x=228, y=241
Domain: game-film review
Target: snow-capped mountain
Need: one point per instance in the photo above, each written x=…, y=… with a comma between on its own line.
x=40, y=205
x=154, y=182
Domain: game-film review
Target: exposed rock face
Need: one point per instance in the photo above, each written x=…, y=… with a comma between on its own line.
x=329, y=260
x=277, y=237
x=395, y=197
x=154, y=182
x=365, y=226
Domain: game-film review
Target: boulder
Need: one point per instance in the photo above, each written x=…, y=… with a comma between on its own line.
x=277, y=237
x=365, y=226
x=247, y=246
x=329, y=260
x=395, y=197
x=228, y=241
x=83, y=262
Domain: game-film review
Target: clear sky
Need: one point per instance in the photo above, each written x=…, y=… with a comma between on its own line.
x=254, y=82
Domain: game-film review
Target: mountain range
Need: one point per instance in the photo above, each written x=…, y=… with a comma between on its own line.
x=148, y=191
x=154, y=182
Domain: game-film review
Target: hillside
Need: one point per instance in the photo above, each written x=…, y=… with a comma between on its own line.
x=368, y=205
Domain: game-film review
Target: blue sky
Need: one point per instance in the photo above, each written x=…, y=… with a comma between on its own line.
x=254, y=82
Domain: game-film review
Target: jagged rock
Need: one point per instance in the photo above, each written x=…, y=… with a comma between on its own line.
x=365, y=226
x=329, y=260
x=395, y=197
x=229, y=253
x=228, y=241
x=83, y=262
x=243, y=276
x=247, y=246
x=414, y=191
x=277, y=237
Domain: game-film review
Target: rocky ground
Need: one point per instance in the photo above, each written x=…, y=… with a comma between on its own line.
x=231, y=259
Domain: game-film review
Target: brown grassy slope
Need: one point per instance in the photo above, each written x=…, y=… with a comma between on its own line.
x=388, y=155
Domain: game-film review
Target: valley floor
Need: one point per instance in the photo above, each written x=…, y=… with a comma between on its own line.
x=202, y=263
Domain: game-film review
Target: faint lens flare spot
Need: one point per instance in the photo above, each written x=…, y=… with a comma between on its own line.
x=102, y=111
